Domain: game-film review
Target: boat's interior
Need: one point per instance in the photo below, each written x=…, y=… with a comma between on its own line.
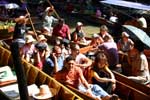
x=35, y=76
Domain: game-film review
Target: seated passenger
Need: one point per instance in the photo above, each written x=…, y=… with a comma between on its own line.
x=42, y=39
x=104, y=32
x=78, y=35
x=110, y=49
x=61, y=30
x=139, y=64
x=27, y=50
x=81, y=60
x=125, y=43
x=101, y=73
x=54, y=62
x=40, y=54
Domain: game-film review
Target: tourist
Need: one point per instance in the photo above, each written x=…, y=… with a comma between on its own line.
x=81, y=60
x=110, y=49
x=125, y=43
x=54, y=62
x=101, y=73
x=27, y=50
x=78, y=35
x=61, y=30
x=139, y=64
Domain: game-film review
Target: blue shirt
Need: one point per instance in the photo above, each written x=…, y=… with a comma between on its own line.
x=49, y=65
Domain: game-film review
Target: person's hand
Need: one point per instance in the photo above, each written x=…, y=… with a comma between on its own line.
x=89, y=92
x=113, y=81
x=113, y=86
x=54, y=56
x=27, y=15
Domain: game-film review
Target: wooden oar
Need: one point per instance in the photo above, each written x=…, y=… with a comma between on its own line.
x=30, y=20
x=53, y=9
x=32, y=24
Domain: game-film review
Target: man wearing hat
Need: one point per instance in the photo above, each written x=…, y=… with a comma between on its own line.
x=48, y=20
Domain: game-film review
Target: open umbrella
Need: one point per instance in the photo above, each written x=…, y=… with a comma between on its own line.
x=137, y=34
x=11, y=6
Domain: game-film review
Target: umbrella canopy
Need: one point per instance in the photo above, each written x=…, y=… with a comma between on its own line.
x=137, y=34
x=11, y=6
x=3, y=2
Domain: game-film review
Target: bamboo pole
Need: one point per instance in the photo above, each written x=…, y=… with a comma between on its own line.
x=32, y=24
x=21, y=79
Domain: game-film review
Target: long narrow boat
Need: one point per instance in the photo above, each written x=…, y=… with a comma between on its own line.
x=35, y=76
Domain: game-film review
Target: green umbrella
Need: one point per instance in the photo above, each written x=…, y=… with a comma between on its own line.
x=137, y=34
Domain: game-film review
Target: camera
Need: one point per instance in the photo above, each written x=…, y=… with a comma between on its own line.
x=41, y=46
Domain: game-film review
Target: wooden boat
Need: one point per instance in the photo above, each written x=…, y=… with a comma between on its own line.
x=35, y=76
x=130, y=89
x=126, y=88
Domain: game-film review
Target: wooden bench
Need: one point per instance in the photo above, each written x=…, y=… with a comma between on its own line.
x=130, y=89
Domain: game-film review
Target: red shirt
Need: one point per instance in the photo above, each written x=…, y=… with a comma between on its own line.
x=70, y=77
x=61, y=31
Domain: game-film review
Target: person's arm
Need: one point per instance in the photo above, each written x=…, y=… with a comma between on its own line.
x=83, y=80
x=112, y=76
x=110, y=73
x=75, y=37
x=98, y=78
x=68, y=33
x=86, y=63
x=55, y=63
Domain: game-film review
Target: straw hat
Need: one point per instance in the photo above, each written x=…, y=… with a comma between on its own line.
x=49, y=9
x=29, y=39
x=41, y=37
x=44, y=93
x=125, y=34
x=79, y=24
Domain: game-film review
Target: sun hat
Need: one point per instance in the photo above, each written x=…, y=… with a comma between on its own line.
x=41, y=37
x=125, y=34
x=29, y=39
x=49, y=9
x=79, y=23
x=44, y=93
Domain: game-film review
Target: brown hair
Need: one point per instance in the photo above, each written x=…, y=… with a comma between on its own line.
x=99, y=56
